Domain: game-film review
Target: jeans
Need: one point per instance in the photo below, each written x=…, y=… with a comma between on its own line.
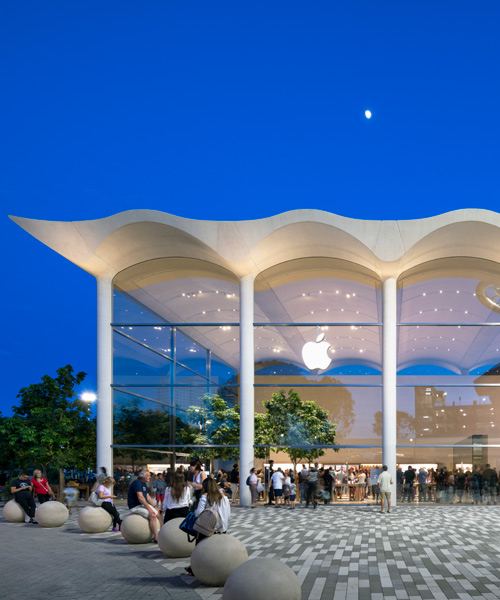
x=28, y=505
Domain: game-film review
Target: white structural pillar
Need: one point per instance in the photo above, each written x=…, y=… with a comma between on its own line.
x=104, y=374
x=246, y=385
x=389, y=369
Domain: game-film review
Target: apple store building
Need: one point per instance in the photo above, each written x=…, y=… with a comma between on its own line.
x=393, y=327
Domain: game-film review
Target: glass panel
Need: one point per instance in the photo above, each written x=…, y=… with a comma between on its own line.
x=345, y=350
x=460, y=349
x=437, y=414
x=127, y=310
x=354, y=409
x=135, y=363
x=314, y=290
x=451, y=300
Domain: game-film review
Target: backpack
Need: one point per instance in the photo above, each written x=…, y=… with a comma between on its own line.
x=248, y=480
x=206, y=522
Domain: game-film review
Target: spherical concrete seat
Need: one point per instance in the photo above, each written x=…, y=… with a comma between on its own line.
x=173, y=542
x=216, y=557
x=262, y=578
x=94, y=519
x=13, y=512
x=52, y=514
x=135, y=529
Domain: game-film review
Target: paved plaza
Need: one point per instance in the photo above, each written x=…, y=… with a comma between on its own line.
x=338, y=552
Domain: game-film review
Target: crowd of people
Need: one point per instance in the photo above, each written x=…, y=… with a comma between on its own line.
x=172, y=492
x=479, y=486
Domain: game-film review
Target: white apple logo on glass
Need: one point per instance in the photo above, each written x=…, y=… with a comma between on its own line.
x=315, y=354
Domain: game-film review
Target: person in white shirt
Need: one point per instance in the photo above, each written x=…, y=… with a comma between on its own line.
x=277, y=479
x=384, y=484
x=253, y=480
x=177, y=499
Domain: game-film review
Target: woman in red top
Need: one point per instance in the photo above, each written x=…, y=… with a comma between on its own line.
x=41, y=486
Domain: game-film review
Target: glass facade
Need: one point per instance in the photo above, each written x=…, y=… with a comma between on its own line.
x=448, y=352
x=176, y=343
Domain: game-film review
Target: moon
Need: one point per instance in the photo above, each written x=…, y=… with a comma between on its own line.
x=368, y=114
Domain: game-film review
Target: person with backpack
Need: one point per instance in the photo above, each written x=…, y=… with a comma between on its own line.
x=212, y=500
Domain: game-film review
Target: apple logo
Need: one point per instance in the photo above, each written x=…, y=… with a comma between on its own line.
x=315, y=354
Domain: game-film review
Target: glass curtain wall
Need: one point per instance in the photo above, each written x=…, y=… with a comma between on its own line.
x=448, y=379
x=318, y=333
x=175, y=348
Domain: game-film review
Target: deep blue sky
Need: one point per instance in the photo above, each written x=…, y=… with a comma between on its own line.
x=227, y=110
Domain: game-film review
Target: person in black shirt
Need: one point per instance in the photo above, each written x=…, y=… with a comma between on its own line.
x=234, y=478
x=21, y=488
x=409, y=478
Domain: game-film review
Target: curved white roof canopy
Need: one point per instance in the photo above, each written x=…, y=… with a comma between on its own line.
x=284, y=250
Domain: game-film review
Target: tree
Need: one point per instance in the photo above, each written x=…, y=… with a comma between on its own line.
x=289, y=420
x=51, y=425
x=405, y=424
x=134, y=426
x=213, y=422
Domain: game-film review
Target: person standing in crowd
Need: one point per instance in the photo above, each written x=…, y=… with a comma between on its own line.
x=384, y=484
x=199, y=477
x=422, y=484
x=139, y=501
x=177, y=499
x=329, y=481
x=312, y=486
x=277, y=483
x=103, y=474
x=234, y=478
x=41, y=487
x=159, y=490
x=21, y=488
x=253, y=480
x=105, y=493
x=409, y=478
x=362, y=484
x=373, y=482
x=303, y=477
x=268, y=475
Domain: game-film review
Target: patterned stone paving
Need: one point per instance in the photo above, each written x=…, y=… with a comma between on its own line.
x=337, y=552
x=349, y=553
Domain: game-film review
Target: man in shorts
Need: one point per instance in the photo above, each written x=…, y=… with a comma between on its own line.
x=384, y=484
x=277, y=480
x=159, y=489
x=140, y=502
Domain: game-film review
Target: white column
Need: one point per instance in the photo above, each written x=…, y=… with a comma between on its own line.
x=104, y=374
x=247, y=408
x=389, y=368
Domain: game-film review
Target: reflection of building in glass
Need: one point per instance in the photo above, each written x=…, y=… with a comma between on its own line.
x=410, y=311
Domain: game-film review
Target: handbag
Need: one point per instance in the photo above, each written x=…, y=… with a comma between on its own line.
x=260, y=487
x=188, y=526
x=94, y=499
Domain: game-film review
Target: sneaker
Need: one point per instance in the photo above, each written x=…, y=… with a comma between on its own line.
x=33, y=521
x=115, y=529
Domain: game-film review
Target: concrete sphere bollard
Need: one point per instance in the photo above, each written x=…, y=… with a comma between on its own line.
x=135, y=529
x=173, y=542
x=13, y=512
x=94, y=519
x=52, y=514
x=216, y=557
x=262, y=578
